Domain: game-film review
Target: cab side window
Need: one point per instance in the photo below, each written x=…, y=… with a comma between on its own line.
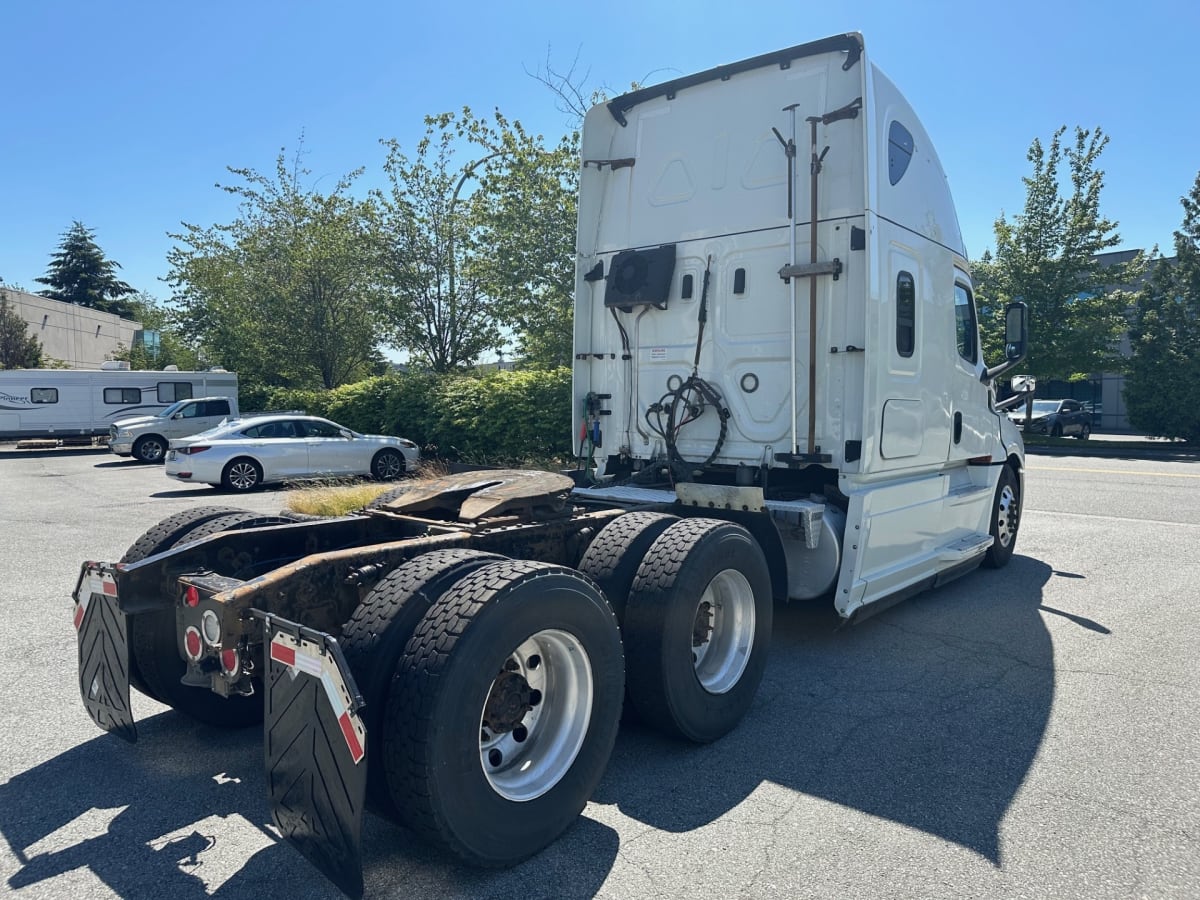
x=964, y=323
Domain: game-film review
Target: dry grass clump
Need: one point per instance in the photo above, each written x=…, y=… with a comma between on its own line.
x=337, y=498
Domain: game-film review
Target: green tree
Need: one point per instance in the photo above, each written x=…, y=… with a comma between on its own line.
x=1046, y=256
x=441, y=311
x=524, y=235
x=1162, y=393
x=18, y=348
x=80, y=273
x=289, y=293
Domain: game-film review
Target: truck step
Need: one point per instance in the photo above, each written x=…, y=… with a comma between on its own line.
x=965, y=548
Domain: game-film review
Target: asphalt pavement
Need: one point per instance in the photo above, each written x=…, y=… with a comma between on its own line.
x=1027, y=732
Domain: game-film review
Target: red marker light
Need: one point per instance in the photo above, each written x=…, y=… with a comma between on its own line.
x=229, y=661
x=191, y=643
x=191, y=596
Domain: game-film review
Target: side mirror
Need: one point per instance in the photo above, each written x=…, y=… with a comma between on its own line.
x=346, y=433
x=1016, y=331
x=1016, y=340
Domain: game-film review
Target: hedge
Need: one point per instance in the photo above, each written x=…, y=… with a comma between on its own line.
x=500, y=418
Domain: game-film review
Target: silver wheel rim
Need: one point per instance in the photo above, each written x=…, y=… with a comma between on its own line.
x=723, y=631
x=1006, y=516
x=536, y=715
x=243, y=476
x=388, y=466
x=151, y=450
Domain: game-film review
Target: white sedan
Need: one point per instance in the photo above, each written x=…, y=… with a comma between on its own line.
x=243, y=454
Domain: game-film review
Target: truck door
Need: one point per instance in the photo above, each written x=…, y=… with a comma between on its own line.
x=974, y=426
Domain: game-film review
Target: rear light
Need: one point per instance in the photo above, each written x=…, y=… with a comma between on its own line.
x=230, y=663
x=189, y=451
x=191, y=596
x=191, y=643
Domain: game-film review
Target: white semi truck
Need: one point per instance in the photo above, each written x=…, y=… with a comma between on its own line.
x=780, y=395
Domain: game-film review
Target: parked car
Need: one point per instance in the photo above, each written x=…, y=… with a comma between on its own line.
x=241, y=455
x=1055, y=418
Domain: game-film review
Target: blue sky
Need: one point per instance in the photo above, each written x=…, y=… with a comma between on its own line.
x=124, y=115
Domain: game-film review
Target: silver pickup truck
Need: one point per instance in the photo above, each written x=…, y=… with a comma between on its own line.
x=147, y=437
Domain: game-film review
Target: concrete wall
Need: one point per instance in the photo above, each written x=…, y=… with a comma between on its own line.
x=80, y=337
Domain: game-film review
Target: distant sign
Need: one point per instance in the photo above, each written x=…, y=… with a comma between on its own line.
x=1023, y=383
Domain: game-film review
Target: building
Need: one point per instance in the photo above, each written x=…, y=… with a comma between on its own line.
x=77, y=336
x=1103, y=392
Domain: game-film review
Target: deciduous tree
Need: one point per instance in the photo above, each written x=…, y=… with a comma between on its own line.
x=288, y=294
x=1047, y=256
x=1162, y=393
x=18, y=348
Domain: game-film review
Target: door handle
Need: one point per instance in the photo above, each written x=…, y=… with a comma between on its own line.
x=957, y=427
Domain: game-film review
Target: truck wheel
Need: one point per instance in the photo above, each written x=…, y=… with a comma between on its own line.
x=1006, y=519
x=150, y=448
x=374, y=638
x=159, y=538
x=242, y=474
x=388, y=465
x=504, y=711
x=612, y=559
x=153, y=645
x=697, y=627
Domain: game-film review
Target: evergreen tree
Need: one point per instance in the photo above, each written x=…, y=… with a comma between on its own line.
x=18, y=348
x=1162, y=393
x=80, y=273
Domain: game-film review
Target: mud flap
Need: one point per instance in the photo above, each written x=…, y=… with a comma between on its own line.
x=103, y=640
x=315, y=749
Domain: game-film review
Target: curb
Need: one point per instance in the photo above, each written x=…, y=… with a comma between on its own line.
x=1097, y=450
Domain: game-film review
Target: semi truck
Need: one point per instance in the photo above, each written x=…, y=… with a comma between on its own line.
x=73, y=403
x=780, y=395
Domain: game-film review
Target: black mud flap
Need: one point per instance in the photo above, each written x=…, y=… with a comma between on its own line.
x=315, y=747
x=103, y=641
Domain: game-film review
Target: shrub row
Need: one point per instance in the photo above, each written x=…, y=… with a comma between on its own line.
x=503, y=418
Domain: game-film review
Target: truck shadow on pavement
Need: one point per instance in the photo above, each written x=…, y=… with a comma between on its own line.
x=929, y=715
x=183, y=814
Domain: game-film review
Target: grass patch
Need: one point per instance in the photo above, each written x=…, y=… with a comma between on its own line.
x=337, y=498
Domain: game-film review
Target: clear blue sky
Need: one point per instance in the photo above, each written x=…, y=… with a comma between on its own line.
x=124, y=115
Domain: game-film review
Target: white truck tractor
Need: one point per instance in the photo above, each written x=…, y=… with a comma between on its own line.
x=780, y=395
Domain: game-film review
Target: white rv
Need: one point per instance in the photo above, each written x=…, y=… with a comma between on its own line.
x=61, y=403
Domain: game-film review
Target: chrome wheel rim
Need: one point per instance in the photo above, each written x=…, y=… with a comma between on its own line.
x=1006, y=516
x=151, y=451
x=243, y=476
x=723, y=631
x=536, y=715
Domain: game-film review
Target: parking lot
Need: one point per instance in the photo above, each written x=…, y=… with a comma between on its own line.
x=1028, y=732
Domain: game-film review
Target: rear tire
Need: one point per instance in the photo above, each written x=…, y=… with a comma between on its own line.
x=1085, y=432
x=242, y=475
x=1056, y=431
x=376, y=633
x=150, y=448
x=159, y=538
x=154, y=646
x=612, y=559
x=1006, y=519
x=155, y=643
x=697, y=629
x=504, y=711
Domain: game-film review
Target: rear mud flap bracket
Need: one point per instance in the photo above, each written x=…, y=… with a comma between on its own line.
x=314, y=744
